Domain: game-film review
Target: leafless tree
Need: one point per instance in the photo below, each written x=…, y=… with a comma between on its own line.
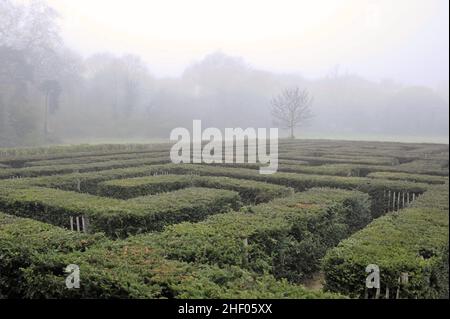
x=291, y=108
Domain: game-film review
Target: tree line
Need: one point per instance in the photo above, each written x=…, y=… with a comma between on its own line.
x=49, y=93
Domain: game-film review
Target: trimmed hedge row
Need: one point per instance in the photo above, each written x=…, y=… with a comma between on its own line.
x=36, y=171
x=117, y=217
x=251, y=192
x=286, y=237
x=344, y=169
x=19, y=156
x=335, y=160
x=377, y=188
x=430, y=167
x=417, y=178
x=99, y=158
x=34, y=256
x=23, y=239
x=301, y=182
x=413, y=241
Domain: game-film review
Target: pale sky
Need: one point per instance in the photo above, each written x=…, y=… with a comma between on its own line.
x=406, y=40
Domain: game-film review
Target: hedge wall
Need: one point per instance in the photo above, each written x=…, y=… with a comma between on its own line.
x=414, y=240
x=251, y=192
x=36, y=171
x=377, y=188
x=418, y=178
x=34, y=256
x=117, y=217
x=286, y=237
x=99, y=158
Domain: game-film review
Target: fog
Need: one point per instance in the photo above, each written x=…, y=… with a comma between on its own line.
x=99, y=70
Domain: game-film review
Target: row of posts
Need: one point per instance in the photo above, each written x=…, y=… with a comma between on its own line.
x=403, y=280
x=79, y=223
x=398, y=200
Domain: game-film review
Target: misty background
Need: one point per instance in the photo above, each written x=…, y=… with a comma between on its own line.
x=102, y=70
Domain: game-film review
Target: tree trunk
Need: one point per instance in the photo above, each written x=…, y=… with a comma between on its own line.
x=46, y=117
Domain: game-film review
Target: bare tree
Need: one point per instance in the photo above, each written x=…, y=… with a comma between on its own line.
x=291, y=108
x=52, y=90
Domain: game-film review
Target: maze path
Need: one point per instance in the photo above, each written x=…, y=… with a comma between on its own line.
x=286, y=237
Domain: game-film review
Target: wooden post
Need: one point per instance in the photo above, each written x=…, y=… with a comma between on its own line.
x=393, y=201
x=86, y=224
x=407, y=198
x=398, y=201
x=377, y=293
x=71, y=222
x=245, y=242
x=78, y=223
x=414, y=197
x=389, y=201
x=387, y=293
x=83, y=225
x=403, y=199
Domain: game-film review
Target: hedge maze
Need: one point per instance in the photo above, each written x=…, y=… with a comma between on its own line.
x=139, y=226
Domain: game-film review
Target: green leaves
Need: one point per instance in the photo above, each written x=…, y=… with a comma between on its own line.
x=413, y=240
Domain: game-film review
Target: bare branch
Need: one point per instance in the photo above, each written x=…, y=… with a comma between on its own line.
x=291, y=108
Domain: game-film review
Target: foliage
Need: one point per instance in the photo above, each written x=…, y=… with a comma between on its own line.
x=414, y=241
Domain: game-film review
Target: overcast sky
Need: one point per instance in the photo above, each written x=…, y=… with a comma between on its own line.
x=406, y=40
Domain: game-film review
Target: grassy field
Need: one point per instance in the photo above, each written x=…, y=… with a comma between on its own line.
x=139, y=226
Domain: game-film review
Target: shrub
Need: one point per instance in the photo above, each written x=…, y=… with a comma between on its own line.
x=116, y=217
x=251, y=192
x=286, y=237
x=34, y=256
x=418, y=178
x=414, y=240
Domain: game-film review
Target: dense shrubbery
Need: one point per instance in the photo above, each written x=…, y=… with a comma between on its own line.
x=251, y=192
x=116, y=217
x=35, y=171
x=313, y=160
x=34, y=256
x=286, y=237
x=418, y=178
x=414, y=241
x=198, y=247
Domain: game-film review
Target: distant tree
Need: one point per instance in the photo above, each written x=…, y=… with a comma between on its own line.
x=16, y=117
x=52, y=91
x=291, y=108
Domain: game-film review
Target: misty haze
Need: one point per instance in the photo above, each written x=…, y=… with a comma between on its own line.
x=98, y=93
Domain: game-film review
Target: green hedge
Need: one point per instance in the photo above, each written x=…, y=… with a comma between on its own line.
x=140, y=186
x=286, y=237
x=430, y=167
x=21, y=240
x=36, y=171
x=301, y=182
x=99, y=158
x=117, y=217
x=418, y=178
x=377, y=188
x=34, y=256
x=19, y=156
x=414, y=240
x=314, y=160
x=251, y=192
